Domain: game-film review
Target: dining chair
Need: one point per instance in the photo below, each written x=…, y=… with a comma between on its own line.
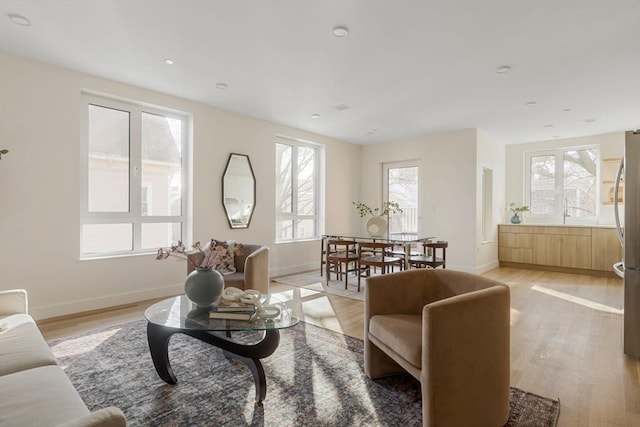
x=341, y=259
x=374, y=254
x=430, y=257
x=323, y=251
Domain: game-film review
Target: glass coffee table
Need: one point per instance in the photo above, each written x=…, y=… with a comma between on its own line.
x=178, y=315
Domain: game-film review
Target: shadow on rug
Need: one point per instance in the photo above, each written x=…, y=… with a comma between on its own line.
x=315, y=378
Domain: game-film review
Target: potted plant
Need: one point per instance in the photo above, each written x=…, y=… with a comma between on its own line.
x=376, y=225
x=515, y=219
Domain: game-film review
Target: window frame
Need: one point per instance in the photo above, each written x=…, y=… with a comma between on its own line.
x=134, y=216
x=293, y=215
x=558, y=154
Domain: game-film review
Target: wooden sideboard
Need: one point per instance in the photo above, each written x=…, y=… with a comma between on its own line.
x=564, y=248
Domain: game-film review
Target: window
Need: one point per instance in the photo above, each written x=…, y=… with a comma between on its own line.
x=297, y=194
x=563, y=183
x=134, y=183
x=401, y=186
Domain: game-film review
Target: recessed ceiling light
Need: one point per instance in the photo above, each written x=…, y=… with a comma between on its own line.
x=19, y=19
x=372, y=131
x=589, y=120
x=556, y=136
x=548, y=126
x=168, y=61
x=504, y=69
x=221, y=86
x=342, y=107
x=567, y=110
x=315, y=116
x=340, y=31
x=530, y=104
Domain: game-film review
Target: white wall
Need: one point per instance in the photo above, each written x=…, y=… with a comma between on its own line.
x=491, y=155
x=40, y=190
x=611, y=145
x=447, y=188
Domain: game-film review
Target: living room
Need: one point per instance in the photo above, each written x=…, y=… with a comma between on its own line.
x=41, y=177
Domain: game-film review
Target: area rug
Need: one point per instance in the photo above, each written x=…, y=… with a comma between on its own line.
x=314, y=378
x=313, y=281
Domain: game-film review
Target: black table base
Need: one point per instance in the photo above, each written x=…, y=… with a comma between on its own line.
x=250, y=354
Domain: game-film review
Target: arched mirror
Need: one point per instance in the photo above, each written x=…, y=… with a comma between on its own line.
x=239, y=190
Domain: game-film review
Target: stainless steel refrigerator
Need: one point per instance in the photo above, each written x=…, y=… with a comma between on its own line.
x=628, y=189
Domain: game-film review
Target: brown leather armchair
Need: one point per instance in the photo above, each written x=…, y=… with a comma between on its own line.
x=448, y=329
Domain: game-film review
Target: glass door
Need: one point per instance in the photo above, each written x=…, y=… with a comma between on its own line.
x=401, y=186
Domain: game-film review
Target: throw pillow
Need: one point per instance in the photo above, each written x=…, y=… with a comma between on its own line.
x=221, y=256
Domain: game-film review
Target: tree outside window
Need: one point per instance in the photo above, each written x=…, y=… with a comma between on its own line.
x=563, y=182
x=297, y=178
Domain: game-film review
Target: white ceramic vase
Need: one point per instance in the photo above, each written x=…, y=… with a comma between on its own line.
x=376, y=226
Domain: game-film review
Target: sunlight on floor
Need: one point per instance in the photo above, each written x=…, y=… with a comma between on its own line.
x=577, y=300
x=329, y=393
x=320, y=311
x=84, y=344
x=283, y=296
x=515, y=314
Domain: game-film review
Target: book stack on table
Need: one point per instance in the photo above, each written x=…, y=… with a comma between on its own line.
x=233, y=311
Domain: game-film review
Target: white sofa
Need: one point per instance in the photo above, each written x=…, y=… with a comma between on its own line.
x=34, y=390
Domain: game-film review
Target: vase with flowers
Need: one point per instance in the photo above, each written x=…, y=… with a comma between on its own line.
x=515, y=219
x=203, y=285
x=377, y=225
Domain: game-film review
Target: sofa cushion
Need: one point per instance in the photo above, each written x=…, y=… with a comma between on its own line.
x=21, y=345
x=402, y=333
x=105, y=417
x=41, y=396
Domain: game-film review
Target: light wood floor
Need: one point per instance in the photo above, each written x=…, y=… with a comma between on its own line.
x=566, y=339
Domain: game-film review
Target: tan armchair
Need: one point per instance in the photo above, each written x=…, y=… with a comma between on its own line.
x=252, y=268
x=448, y=329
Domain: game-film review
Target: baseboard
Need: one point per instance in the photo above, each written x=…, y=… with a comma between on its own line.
x=487, y=267
x=89, y=304
x=285, y=271
x=599, y=273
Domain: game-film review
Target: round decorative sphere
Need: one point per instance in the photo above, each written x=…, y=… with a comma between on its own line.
x=204, y=286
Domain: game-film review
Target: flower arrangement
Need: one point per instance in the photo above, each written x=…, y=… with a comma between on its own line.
x=516, y=210
x=385, y=209
x=3, y=151
x=179, y=250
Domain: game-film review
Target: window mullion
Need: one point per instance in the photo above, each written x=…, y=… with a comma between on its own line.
x=294, y=190
x=135, y=176
x=559, y=183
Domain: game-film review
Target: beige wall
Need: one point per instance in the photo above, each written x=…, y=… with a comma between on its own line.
x=448, y=180
x=490, y=155
x=40, y=191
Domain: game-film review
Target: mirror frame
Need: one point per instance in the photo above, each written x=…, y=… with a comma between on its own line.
x=253, y=177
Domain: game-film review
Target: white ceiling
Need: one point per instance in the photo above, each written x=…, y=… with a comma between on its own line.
x=406, y=68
